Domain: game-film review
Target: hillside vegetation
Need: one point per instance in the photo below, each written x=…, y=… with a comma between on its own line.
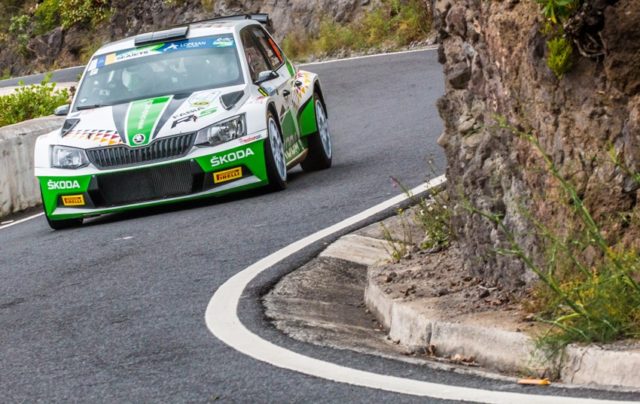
x=49, y=34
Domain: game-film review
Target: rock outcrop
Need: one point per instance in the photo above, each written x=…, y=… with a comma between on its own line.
x=494, y=62
x=72, y=46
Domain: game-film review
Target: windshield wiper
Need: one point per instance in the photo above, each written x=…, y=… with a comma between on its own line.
x=92, y=106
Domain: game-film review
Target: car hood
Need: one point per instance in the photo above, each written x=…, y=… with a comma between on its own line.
x=138, y=123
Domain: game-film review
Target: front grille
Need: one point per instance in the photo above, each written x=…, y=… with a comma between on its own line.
x=147, y=184
x=160, y=149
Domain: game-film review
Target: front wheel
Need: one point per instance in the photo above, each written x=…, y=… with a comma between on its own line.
x=274, y=155
x=320, y=147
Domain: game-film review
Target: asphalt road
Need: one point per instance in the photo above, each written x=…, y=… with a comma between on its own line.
x=69, y=74
x=114, y=311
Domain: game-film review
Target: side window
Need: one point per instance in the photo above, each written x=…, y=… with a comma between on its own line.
x=269, y=48
x=255, y=59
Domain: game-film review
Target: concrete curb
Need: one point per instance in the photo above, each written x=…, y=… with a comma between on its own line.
x=500, y=350
x=19, y=189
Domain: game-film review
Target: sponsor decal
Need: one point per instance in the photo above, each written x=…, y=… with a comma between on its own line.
x=202, y=99
x=182, y=120
x=227, y=175
x=303, y=84
x=225, y=41
x=231, y=157
x=187, y=112
x=73, y=200
x=249, y=139
x=64, y=184
x=102, y=137
x=207, y=112
x=292, y=152
x=142, y=118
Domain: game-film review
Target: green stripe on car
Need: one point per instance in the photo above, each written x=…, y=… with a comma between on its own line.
x=142, y=118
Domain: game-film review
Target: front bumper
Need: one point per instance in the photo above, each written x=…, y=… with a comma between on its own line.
x=228, y=168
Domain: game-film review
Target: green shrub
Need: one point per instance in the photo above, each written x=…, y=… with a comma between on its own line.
x=393, y=25
x=19, y=29
x=29, y=102
x=208, y=5
x=76, y=12
x=296, y=44
x=560, y=54
x=47, y=16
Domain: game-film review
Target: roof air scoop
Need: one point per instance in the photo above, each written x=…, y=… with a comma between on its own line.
x=161, y=36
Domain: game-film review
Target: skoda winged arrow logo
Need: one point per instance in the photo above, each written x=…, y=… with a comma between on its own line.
x=138, y=139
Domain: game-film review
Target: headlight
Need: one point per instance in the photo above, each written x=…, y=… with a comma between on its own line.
x=68, y=157
x=223, y=131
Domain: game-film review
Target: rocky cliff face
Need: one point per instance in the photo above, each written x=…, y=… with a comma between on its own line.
x=493, y=56
x=68, y=47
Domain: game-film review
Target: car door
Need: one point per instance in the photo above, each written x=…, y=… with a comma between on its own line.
x=283, y=88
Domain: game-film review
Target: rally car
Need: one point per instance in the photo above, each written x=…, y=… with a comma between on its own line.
x=205, y=109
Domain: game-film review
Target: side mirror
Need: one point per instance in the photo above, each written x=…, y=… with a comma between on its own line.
x=266, y=76
x=62, y=110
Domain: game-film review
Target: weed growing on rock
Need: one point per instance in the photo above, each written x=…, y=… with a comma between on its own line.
x=431, y=214
x=33, y=101
x=560, y=48
x=556, y=11
x=589, y=287
x=559, y=57
x=434, y=217
x=398, y=248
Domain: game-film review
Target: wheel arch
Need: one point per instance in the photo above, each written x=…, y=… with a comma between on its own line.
x=272, y=107
x=317, y=88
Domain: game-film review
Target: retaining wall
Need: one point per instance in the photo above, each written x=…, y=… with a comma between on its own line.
x=18, y=186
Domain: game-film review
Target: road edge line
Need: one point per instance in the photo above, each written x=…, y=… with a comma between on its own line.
x=373, y=55
x=21, y=221
x=223, y=322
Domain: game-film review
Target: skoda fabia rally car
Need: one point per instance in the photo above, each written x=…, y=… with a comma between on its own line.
x=206, y=109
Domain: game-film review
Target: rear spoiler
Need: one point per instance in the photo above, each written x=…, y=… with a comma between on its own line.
x=181, y=31
x=262, y=18
x=161, y=36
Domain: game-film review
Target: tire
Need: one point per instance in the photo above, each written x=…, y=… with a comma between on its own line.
x=274, y=155
x=320, y=147
x=63, y=224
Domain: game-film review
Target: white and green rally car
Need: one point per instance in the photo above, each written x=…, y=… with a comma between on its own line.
x=206, y=109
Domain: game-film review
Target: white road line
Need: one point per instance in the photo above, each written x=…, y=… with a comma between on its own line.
x=222, y=320
x=322, y=62
x=21, y=220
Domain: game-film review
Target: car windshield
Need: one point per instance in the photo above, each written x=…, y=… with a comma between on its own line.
x=160, y=69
